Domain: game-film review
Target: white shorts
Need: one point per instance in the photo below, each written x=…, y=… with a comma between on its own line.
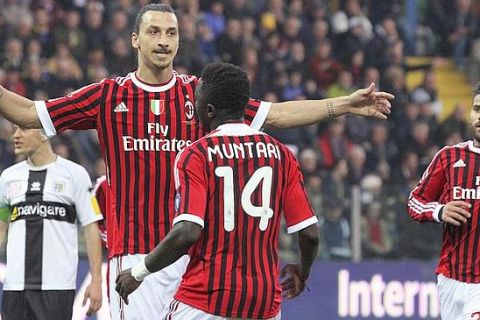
x=152, y=298
x=458, y=300
x=181, y=311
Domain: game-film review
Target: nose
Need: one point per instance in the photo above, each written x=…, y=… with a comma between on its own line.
x=163, y=41
x=17, y=133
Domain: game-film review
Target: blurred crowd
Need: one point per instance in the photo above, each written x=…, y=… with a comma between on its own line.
x=292, y=50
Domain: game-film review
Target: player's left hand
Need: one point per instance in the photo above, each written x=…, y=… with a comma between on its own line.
x=94, y=293
x=368, y=103
x=126, y=284
x=292, y=285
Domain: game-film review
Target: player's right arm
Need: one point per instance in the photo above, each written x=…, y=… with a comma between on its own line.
x=77, y=110
x=300, y=218
x=18, y=110
x=423, y=202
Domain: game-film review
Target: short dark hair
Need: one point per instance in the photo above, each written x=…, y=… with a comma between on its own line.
x=162, y=7
x=226, y=87
x=476, y=90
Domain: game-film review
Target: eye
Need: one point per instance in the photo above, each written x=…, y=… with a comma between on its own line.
x=153, y=31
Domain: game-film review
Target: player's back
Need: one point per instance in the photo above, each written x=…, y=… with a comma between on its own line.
x=234, y=266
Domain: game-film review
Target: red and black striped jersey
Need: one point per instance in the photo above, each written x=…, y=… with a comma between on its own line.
x=141, y=128
x=235, y=183
x=100, y=192
x=453, y=174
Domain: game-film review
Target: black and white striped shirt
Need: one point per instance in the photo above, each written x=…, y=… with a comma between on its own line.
x=45, y=204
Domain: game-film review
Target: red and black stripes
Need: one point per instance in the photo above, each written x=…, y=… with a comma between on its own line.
x=451, y=176
x=240, y=266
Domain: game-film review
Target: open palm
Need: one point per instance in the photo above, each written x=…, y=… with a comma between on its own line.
x=368, y=103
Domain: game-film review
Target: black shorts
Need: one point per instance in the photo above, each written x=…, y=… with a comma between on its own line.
x=37, y=305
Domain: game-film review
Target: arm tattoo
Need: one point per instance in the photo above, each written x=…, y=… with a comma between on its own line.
x=331, y=113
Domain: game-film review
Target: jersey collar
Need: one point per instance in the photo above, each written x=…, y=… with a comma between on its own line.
x=152, y=88
x=472, y=147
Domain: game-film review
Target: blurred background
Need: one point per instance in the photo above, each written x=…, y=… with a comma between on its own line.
x=358, y=171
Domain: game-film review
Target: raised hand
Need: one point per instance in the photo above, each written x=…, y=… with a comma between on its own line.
x=368, y=103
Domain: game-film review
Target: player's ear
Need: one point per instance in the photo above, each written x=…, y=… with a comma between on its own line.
x=135, y=42
x=211, y=110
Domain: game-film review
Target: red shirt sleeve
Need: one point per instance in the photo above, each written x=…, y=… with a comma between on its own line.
x=78, y=110
x=296, y=207
x=423, y=202
x=256, y=113
x=191, y=183
x=100, y=193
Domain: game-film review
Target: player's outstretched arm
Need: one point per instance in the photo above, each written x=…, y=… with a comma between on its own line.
x=176, y=244
x=18, y=110
x=363, y=102
x=296, y=275
x=94, y=252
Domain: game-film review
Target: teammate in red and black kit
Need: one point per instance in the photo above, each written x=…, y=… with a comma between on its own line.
x=449, y=193
x=143, y=120
x=232, y=187
x=100, y=192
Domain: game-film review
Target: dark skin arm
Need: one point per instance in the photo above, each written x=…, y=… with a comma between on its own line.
x=176, y=244
x=296, y=275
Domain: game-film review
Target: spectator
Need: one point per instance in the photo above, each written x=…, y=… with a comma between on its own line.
x=13, y=56
x=420, y=142
x=215, y=18
x=376, y=237
x=381, y=151
x=14, y=81
x=206, y=40
x=309, y=162
x=455, y=123
x=343, y=85
x=314, y=184
x=250, y=40
x=71, y=34
x=118, y=27
x=333, y=143
x=43, y=32
x=319, y=32
x=460, y=28
x=323, y=66
x=35, y=80
x=94, y=31
x=335, y=231
x=230, y=44
x=356, y=164
x=335, y=184
x=385, y=35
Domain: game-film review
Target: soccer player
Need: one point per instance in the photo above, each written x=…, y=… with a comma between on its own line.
x=99, y=191
x=41, y=200
x=143, y=120
x=449, y=193
x=232, y=187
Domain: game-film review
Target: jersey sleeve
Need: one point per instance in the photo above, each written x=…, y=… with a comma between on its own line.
x=85, y=203
x=256, y=113
x=296, y=207
x=78, y=110
x=423, y=202
x=99, y=191
x=191, y=183
x=5, y=209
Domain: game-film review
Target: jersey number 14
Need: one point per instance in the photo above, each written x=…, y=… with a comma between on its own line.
x=264, y=212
